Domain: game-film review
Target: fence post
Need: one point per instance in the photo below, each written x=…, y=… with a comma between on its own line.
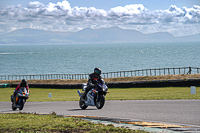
x=190, y=70
x=174, y=71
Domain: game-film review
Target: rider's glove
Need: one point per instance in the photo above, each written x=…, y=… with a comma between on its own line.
x=15, y=93
x=95, y=82
x=96, y=86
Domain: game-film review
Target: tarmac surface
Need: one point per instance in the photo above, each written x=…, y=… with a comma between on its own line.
x=186, y=112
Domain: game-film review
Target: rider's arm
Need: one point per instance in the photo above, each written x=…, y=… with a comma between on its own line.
x=90, y=82
x=18, y=86
x=100, y=79
x=27, y=88
x=15, y=91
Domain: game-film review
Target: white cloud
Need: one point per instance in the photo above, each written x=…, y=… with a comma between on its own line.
x=127, y=10
x=62, y=17
x=35, y=4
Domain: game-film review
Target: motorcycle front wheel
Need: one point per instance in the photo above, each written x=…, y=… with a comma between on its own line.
x=99, y=102
x=82, y=104
x=22, y=104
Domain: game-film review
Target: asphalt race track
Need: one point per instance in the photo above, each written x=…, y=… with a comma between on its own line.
x=168, y=111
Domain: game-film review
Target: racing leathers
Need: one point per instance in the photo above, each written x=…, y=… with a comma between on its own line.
x=92, y=81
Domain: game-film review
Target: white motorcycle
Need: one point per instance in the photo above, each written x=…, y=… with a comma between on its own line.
x=95, y=97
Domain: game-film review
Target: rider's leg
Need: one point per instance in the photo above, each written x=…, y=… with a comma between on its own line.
x=86, y=91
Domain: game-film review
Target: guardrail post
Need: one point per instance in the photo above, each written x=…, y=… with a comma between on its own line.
x=190, y=70
x=174, y=71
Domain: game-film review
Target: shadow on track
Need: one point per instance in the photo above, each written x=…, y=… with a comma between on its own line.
x=80, y=109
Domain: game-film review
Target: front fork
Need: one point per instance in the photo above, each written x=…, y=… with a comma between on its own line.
x=80, y=95
x=98, y=96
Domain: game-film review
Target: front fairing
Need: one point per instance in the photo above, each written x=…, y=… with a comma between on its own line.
x=102, y=89
x=23, y=93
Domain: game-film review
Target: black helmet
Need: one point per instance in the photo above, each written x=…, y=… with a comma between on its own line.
x=97, y=71
x=23, y=82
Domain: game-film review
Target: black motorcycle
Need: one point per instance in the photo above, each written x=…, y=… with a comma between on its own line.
x=21, y=97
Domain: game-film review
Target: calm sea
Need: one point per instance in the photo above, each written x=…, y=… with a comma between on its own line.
x=82, y=59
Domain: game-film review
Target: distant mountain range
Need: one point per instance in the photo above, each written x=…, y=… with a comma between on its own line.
x=90, y=36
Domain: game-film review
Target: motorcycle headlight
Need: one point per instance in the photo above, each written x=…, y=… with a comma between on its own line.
x=84, y=86
x=105, y=88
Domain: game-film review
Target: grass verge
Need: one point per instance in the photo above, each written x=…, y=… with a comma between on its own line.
x=41, y=94
x=22, y=122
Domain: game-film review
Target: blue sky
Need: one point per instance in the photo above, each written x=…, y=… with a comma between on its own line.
x=178, y=17
x=107, y=4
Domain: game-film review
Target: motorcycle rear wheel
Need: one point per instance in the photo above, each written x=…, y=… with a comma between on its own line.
x=13, y=108
x=100, y=103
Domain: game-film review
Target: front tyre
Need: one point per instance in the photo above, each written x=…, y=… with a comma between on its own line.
x=99, y=102
x=22, y=104
x=82, y=104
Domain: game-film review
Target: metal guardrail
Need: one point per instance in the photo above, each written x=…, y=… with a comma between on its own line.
x=143, y=72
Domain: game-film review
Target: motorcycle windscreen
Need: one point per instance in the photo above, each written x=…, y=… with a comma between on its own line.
x=23, y=89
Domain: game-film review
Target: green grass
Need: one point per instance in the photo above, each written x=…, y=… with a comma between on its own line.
x=41, y=94
x=21, y=122
x=153, y=93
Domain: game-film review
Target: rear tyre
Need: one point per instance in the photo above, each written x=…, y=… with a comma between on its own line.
x=99, y=102
x=13, y=108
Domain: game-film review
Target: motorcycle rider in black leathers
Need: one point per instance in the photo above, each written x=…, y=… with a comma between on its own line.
x=93, y=79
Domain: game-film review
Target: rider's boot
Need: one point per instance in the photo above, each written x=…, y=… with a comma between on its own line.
x=14, y=101
x=84, y=96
